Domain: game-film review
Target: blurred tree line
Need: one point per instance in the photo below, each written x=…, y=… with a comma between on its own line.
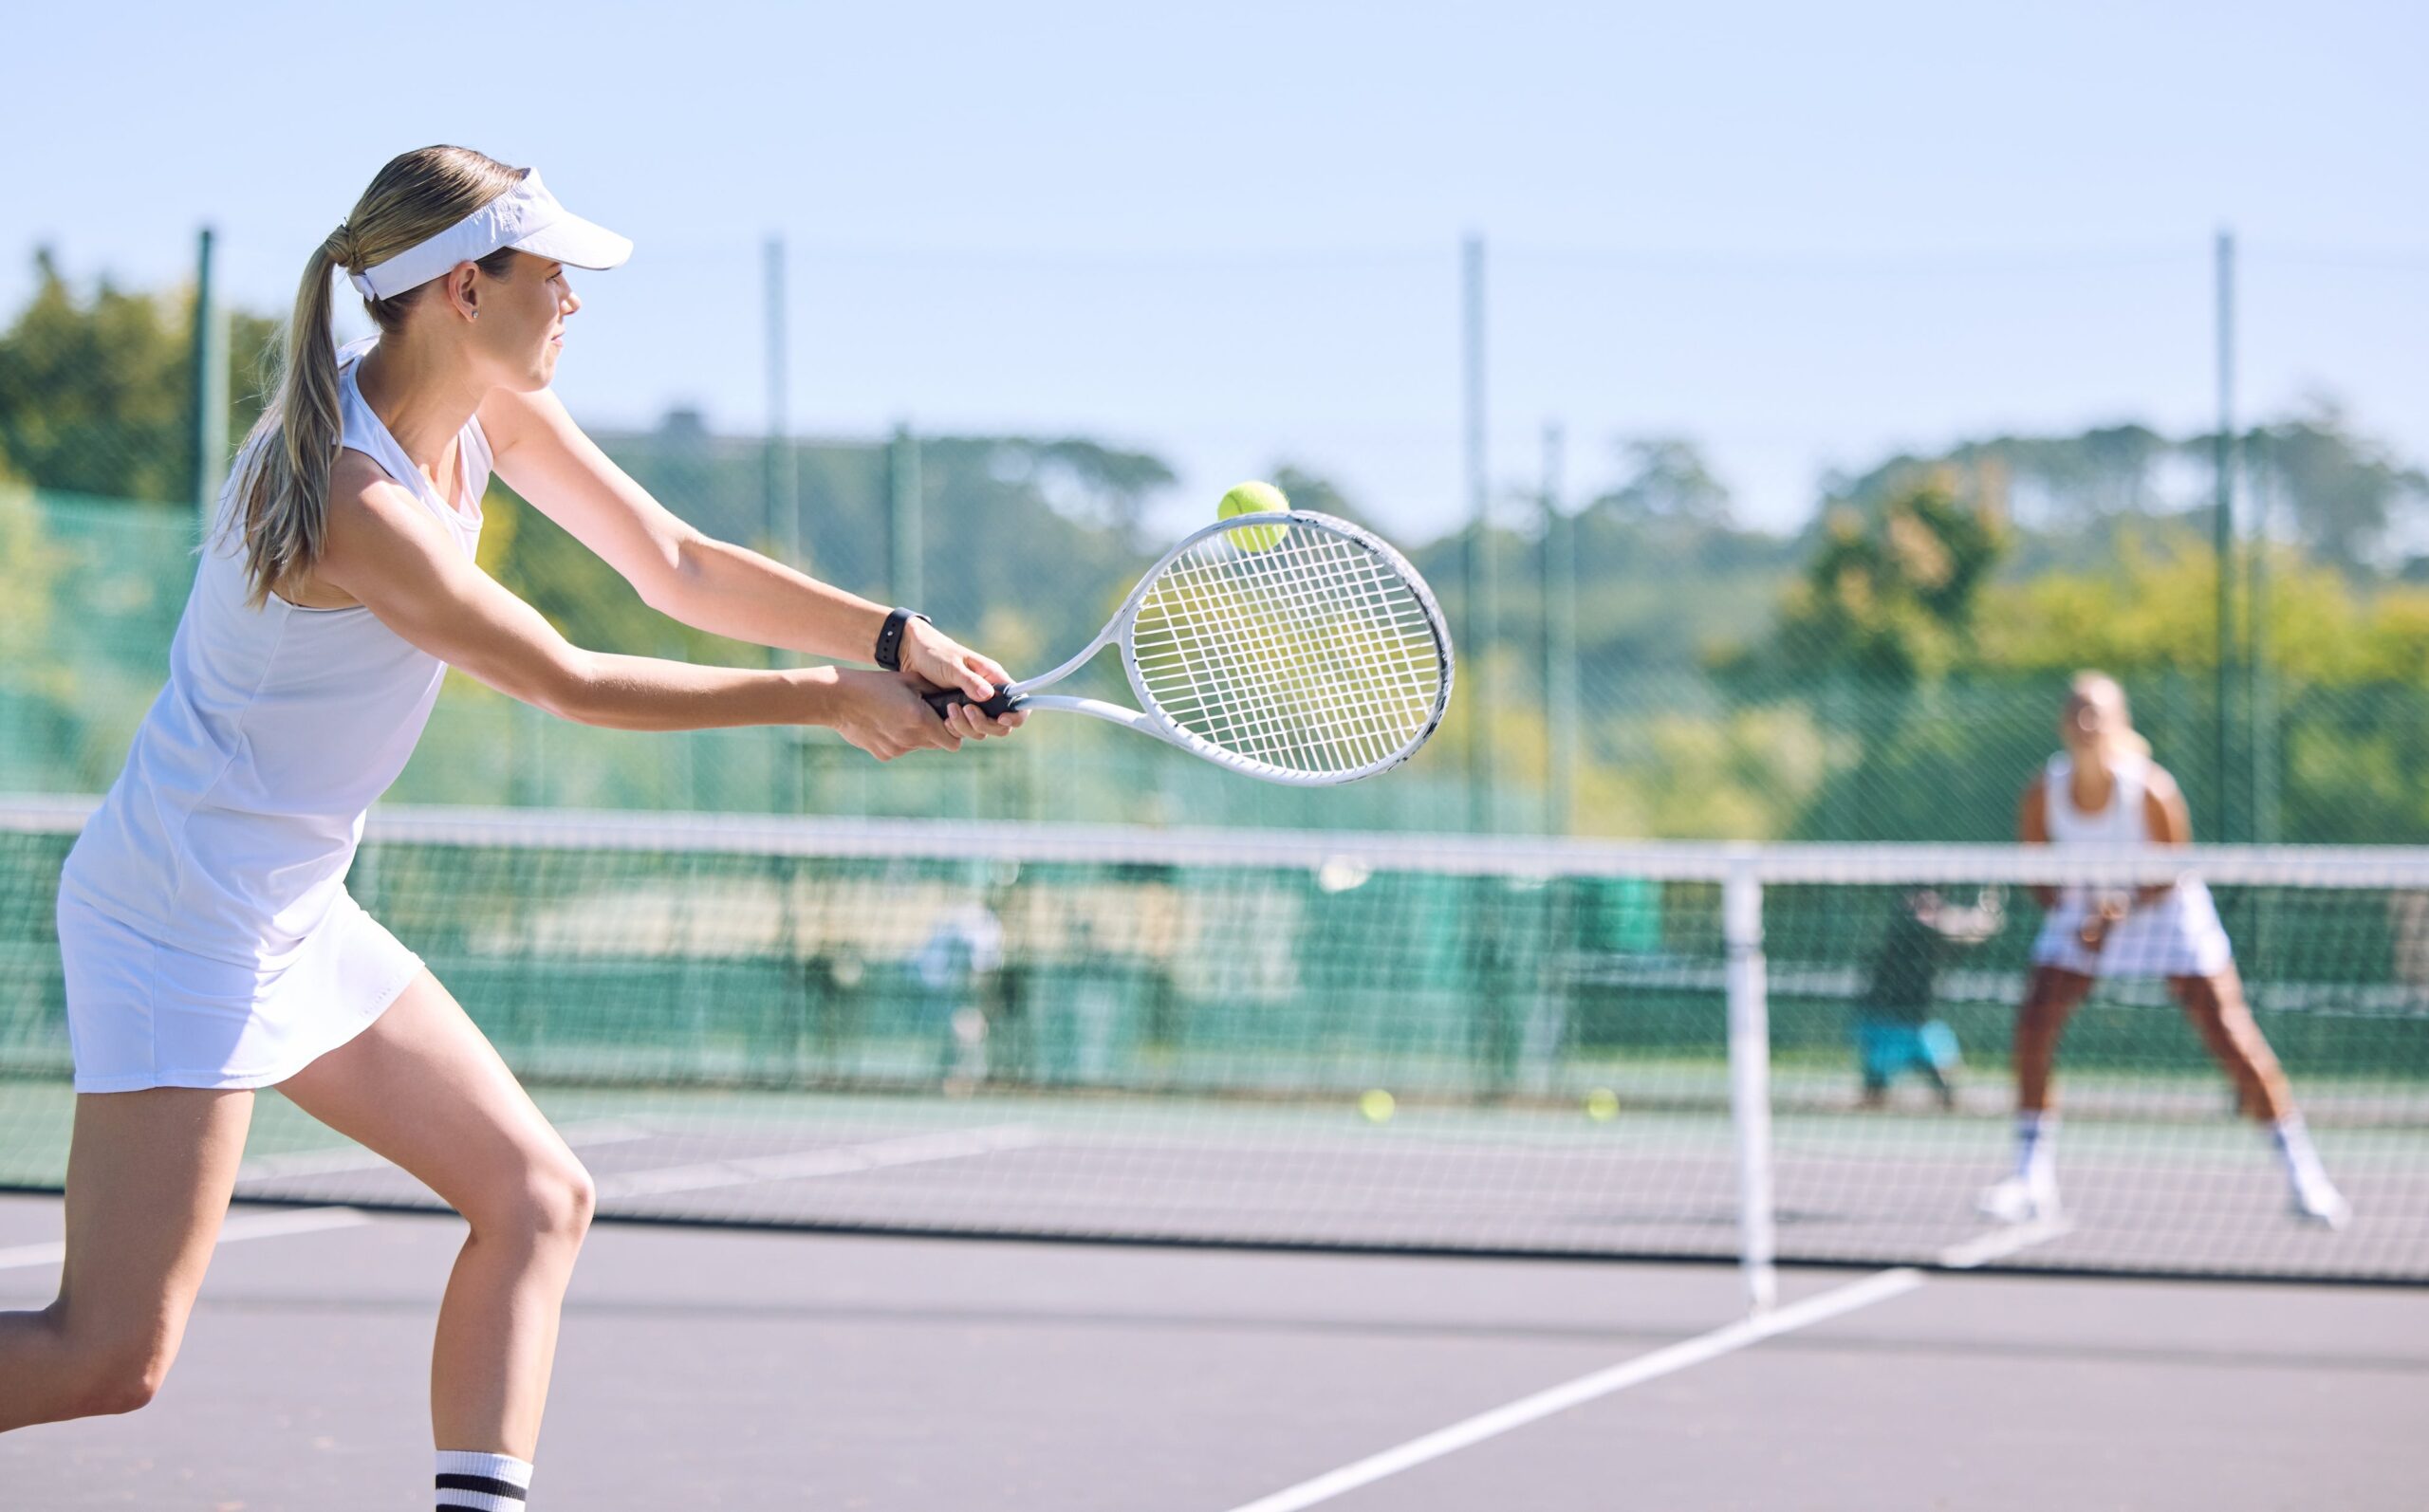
x=1890, y=671
x=96, y=393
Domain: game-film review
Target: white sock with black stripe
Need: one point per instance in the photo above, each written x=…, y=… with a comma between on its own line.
x=482, y=1482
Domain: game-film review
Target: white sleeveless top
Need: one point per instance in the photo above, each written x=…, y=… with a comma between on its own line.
x=2124, y=821
x=230, y=830
x=2177, y=934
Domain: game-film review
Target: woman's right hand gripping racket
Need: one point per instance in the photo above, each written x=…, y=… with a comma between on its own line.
x=1293, y=647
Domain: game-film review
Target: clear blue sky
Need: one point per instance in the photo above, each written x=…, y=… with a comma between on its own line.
x=1802, y=235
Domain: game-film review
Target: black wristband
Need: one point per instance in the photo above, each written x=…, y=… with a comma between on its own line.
x=889, y=639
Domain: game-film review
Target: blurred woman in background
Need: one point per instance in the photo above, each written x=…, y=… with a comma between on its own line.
x=2104, y=792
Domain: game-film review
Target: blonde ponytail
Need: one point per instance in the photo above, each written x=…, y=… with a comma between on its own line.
x=280, y=499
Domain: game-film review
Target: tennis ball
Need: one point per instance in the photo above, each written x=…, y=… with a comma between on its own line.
x=1602, y=1104
x=1376, y=1105
x=1253, y=498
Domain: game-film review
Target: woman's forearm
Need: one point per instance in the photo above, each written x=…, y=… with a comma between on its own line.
x=734, y=591
x=644, y=693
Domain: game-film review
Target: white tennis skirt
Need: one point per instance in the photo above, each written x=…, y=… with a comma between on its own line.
x=2178, y=935
x=141, y=1014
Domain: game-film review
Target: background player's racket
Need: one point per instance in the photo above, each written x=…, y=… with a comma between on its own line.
x=1293, y=647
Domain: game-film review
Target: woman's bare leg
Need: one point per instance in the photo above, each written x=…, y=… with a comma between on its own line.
x=2030, y=1190
x=423, y=1087
x=2216, y=1006
x=2220, y=1012
x=148, y=1178
x=2050, y=997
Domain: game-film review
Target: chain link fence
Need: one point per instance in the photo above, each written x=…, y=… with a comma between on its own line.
x=91, y=590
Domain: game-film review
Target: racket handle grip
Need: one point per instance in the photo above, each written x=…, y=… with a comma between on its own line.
x=1003, y=703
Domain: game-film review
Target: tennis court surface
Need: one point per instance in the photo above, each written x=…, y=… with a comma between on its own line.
x=714, y=1368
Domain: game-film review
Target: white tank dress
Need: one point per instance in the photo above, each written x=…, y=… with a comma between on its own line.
x=2175, y=935
x=205, y=930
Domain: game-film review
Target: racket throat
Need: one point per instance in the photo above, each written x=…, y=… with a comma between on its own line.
x=1094, y=708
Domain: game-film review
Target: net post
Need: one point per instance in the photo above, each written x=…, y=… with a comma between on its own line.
x=1749, y=1075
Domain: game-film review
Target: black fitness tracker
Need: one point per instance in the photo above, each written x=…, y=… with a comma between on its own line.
x=889, y=639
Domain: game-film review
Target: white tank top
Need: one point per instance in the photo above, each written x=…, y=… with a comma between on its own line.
x=2122, y=822
x=228, y=831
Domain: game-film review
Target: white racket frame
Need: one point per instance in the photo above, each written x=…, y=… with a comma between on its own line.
x=1151, y=720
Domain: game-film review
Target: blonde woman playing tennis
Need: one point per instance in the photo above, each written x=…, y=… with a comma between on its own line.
x=208, y=942
x=2103, y=790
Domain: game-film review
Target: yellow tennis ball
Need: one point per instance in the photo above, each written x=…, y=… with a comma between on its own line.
x=1602, y=1104
x=1376, y=1105
x=1253, y=498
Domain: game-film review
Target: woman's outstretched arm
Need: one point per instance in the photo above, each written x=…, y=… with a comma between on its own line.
x=387, y=551
x=707, y=583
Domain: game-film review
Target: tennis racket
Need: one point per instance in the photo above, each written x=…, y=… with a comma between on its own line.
x=1293, y=647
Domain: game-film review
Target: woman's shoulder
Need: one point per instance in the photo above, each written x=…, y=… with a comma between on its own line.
x=354, y=471
x=2156, y=781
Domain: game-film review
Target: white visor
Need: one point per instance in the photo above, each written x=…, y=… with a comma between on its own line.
x=526, y=217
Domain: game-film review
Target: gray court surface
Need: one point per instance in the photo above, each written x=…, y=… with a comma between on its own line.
x=714, y=1368
x=2166, y=1195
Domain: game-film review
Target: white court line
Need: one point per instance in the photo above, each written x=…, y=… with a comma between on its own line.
x=1829, y=1304
x=353, y=1157
x=2000, y=1243
x=254, y=1225
x=836, y=1161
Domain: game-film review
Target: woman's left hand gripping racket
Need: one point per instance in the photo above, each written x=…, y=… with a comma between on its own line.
x=1293, y=647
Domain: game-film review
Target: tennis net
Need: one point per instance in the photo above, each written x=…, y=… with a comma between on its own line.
x=1422, y=1042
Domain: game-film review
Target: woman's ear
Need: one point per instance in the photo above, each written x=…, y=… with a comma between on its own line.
x=463, y=289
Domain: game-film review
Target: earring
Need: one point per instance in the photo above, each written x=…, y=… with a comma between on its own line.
x=476, y=315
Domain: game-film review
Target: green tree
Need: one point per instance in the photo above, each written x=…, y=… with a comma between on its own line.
x=2154, y=611
x=1866, y=639
x=1667, y=478
x=2343, y=491
x=1666, y=579
x=29, y=566
x=96, y=393
x=1892, y=593
x=587, y=600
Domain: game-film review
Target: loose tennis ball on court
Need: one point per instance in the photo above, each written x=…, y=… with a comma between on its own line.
x=1376, y=1105
x=1602, y=1104
x=1253, y=498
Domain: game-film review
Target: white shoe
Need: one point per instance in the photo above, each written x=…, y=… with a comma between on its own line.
x=2020, y=1199
x=2317, y=1201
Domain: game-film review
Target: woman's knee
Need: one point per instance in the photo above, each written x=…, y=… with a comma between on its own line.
x=574, y=1200
x=2218, y=1015
x=2041, y=1019
x=112, y=1375
x=2050, y=997
x=550, y=1202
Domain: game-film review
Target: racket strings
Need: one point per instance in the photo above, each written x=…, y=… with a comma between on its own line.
x=1335, y=671
x=1222, y=687
x=1313, y=656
